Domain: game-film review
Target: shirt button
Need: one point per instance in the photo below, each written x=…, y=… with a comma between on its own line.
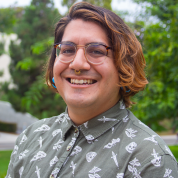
x=51, y=176
x=76, y=130
x=68, y=148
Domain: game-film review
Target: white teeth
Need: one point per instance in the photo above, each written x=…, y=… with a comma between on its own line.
x=80, y=82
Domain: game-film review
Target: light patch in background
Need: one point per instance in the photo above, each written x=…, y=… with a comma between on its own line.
x=125, y=5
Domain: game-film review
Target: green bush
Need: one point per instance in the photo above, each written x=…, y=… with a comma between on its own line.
x=8, y=127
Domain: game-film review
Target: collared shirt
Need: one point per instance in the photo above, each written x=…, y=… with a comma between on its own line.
x=113, y=144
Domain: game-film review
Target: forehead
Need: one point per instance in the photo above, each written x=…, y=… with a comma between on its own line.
x=82, y=32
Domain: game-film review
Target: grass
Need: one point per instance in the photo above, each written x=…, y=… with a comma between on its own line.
x=5, y=157
x=174, y=150
x=4, y=162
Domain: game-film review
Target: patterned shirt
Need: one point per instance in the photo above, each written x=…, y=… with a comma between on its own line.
x=114, y=144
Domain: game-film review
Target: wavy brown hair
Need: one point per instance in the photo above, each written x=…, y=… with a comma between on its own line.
x=127, y=50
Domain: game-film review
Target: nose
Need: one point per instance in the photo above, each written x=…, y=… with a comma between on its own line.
x=80, y=62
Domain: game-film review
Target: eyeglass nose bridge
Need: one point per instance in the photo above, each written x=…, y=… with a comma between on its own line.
x=84, y=48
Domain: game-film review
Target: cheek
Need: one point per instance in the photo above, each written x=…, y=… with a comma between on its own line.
x=58, y=67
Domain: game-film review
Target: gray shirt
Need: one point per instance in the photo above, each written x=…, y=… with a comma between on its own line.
x=113, y=144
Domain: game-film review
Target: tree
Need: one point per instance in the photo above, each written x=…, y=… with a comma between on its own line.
x=35, y=30
x=101, y=3
x=160, y=44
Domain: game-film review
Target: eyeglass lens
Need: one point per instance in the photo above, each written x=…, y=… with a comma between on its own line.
x=95, y=53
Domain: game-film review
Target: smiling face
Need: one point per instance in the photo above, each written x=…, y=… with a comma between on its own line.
x=95, y=90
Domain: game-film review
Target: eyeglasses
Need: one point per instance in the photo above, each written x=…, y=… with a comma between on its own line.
x=95, y=53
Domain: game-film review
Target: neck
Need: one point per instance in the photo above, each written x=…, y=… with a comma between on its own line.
x=82, y=115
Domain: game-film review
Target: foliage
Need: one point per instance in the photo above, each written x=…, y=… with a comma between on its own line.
x=101, y=3
x=1, y=48
x=35, y=30
x=7, y=19
x=160, y=45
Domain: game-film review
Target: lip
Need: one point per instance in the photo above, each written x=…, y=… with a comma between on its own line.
x=86, y=81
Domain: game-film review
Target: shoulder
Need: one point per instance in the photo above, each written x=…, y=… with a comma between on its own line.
x=39, y=128
x=147, y=149
x=146, y=137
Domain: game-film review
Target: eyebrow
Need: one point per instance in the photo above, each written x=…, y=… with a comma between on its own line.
x=86, y=43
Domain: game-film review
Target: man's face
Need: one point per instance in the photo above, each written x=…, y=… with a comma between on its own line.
x=102, y=92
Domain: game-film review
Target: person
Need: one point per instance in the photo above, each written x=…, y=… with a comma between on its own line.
x=96, y=66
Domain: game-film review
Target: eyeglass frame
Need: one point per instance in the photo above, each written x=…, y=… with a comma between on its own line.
x=83, y=46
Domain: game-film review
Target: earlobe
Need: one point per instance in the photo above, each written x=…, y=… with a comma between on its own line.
x=53, y=82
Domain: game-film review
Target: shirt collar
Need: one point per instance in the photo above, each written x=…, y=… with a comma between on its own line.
x=99, y=124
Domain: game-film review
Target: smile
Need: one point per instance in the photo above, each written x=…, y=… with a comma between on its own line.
x=82, y=81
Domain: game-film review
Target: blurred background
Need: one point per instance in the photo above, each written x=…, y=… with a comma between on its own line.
x=26, y=39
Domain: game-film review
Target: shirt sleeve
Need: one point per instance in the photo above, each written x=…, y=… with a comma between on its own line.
x=14, y=155
x=166, y=166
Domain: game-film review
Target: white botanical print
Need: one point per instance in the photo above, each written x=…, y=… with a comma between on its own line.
x=76, y=150
x=72, y=142
x=90, y=156
x=169, y=151
x=152, y=139
x=167, y=173
x=58, y=145
x=112, y=130
x=38, y=156
x=130, y=133
x=73, y=166
x=24, y=131
x=54, y=161
x=9, y=163
x=120, y=175
x=142, y=124
x=132, y=168
x=23, y=154
x=93, y=173
x=24, y=138
x=131, y=147
x=15, y=150
x=125, y=119
x=104, y=119
x=8, y=176
x=55, y=172
x=56, y=132
x=86, y=124
x=43, y=128
x=40, y=141
x=112, y=143
x=90, y=138
x=37, y=172
x=115, y=159
x=157, y=159
x=63, y=118
x=21, y=171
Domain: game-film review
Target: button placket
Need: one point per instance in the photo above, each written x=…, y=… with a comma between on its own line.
x=68, y=148
x=71, y=144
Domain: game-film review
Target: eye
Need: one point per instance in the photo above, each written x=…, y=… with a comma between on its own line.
x=67, y=50
x=96, y=50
